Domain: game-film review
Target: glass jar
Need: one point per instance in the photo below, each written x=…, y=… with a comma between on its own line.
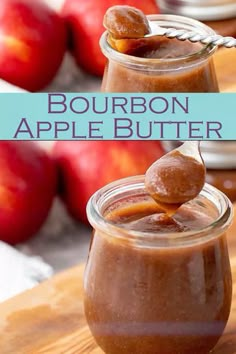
x=220, y=161
x=192, y=72
x=148, y=292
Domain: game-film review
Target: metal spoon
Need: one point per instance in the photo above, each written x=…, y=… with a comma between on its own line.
x=192, y=149
x=127, y=22
x=181, y=34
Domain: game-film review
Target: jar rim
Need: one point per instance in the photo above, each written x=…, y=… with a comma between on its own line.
x=130, y=60
x=174, y=239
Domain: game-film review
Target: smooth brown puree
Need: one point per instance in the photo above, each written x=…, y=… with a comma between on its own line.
x=175, y=178
x=126, y=22
x=152, y=300
x=187, y=76
x=193, y=78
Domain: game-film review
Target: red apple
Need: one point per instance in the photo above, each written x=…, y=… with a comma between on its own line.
x=86, y=166
x=28, y=182
x=84, y=19
x=32, y=44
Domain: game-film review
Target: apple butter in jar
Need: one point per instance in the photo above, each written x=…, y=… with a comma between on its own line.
x=159, y=64
x=157, y=283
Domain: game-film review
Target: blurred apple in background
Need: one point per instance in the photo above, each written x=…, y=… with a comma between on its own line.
x=86, y=166
x=84, y=20
x=32, y=43
x=28, y=184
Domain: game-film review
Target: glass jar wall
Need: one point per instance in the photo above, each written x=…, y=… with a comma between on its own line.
x=149, y=292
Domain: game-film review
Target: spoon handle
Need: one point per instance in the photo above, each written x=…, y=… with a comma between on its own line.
x=181, y=34
x=191, y=148
x=228, y=42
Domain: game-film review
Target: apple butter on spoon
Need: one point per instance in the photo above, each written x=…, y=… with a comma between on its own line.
x=177, y=177
x=127, y=28
x=126, y=22
x=130, y=32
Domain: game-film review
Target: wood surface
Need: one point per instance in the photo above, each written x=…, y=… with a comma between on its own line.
x=49, y=319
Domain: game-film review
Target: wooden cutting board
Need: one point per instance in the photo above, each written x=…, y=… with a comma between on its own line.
x=49, y=319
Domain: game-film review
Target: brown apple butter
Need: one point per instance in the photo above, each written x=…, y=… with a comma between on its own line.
x=126, y=22
x=158, y=64
x=175, y=178
x=156, y=283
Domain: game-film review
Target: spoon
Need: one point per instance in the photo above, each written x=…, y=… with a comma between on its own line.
x=181, y=34
x=178, y=176
x=127, y=22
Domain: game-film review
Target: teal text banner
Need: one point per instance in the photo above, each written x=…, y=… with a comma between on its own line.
x=123, y=116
